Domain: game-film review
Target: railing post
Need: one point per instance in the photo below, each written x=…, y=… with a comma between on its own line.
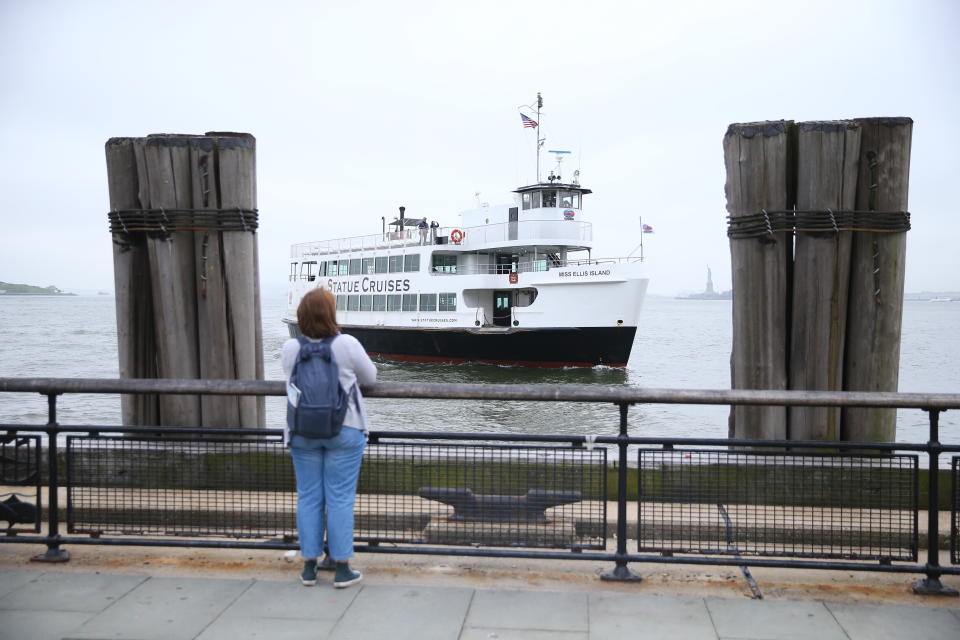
x=621, y=573
x=54, y=553
x=931, y=585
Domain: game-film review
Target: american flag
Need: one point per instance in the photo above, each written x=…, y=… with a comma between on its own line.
x=528, y=122
x=647, y=228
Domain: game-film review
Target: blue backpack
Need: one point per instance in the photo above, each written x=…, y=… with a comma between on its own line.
x=316, y=403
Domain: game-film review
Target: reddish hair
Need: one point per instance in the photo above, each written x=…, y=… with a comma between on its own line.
x=317, y=314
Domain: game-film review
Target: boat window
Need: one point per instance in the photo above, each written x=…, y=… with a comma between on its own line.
x=366, y=303
x=381, y=264
x=306, y=271
x=428, y=302
x=539, y=265
x=367, y=265
x=507, y=264
x=411, y=262
x=396, y=264
x=379, y=302
x=570, y=199
x=549, y=199
x=293, y=271
x=448, y=302
x=444, y=263
x=535, y=200
x=525, y=297
x=341, y=303
x=355, y=266
x=344, y=267
x=409, y=302
x=353, y=303
x=393, y=302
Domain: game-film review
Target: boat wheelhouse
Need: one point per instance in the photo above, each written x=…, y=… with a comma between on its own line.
x=513, y=284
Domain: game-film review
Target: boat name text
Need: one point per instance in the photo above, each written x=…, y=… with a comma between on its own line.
x=368, y=285
x=599, y=272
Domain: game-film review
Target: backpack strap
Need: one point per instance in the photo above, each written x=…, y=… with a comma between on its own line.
x=304, y=342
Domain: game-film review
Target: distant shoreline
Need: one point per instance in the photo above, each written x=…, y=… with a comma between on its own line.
x=10, y=293
x=14, y=289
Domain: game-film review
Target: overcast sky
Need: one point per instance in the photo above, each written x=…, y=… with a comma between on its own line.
x=359, y=107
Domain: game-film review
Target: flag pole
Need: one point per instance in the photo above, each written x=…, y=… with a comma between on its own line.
x=539, y=106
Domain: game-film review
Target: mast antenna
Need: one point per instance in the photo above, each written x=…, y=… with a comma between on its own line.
x=559, y=156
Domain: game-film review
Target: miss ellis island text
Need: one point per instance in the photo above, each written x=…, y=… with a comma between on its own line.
x=568, y=274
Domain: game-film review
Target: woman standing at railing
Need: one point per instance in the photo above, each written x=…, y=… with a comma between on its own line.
x=327, y=468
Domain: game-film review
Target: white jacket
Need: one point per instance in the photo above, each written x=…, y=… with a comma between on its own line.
x=355, y=368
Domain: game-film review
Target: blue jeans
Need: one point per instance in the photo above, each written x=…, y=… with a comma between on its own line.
x=327, y=484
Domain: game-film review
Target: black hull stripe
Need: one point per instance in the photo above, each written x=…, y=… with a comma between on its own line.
x=553, y=347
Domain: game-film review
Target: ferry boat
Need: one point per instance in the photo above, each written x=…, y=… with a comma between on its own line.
x=514, y=284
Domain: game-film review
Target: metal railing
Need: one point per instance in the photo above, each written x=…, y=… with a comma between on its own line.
x=523, y=231
x=700, y=501
x=543, y=264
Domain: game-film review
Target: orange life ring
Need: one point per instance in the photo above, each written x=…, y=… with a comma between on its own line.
x=456, y=235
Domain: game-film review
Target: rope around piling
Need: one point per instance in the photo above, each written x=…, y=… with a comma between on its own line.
x=162, y=222
x=770, y=221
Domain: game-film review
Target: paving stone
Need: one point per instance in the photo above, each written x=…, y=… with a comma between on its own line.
x=50, y=625
x=398, y=613
x=521, y=634
x=773, y=619
x=528, y=610
x=70, y=592
x=648, y=616
x=237, y=628
x=165, y=609
x=292, y=600
x=889, y=622
x=13, y=580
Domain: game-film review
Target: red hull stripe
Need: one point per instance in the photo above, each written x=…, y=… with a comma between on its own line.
x=549, y=364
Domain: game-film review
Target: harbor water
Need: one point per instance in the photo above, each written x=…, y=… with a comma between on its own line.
x=683, y=344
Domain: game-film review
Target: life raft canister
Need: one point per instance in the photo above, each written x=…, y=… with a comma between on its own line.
x=456, y=235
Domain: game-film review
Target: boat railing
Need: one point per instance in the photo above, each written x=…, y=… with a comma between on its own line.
x=573, y=232
x=542, y=264
x=839, y=505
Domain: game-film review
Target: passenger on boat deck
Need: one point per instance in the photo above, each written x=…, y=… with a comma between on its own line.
x=423, y=226
x=434, y=225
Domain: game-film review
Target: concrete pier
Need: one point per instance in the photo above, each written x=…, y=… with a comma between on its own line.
x=209, y=595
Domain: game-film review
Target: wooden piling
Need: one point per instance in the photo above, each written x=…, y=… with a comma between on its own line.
x=173, y=275
x=236, y=172
x=191, y=206
x=216, y=356
x=131, y=275
x=759, y=159
x=872, y=360
x=827, y=156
